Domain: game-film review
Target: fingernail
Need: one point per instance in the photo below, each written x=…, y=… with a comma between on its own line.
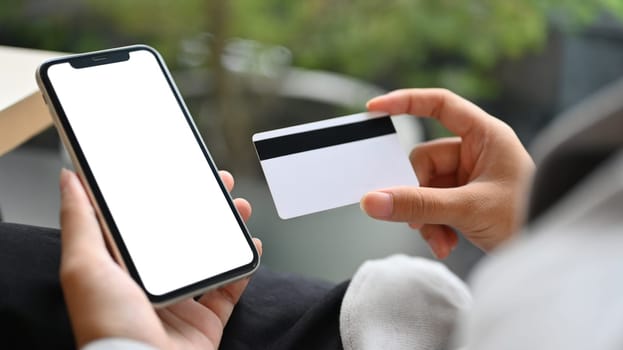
x=379, y=204
x=371, y=101
x=432, y=246
x=415, y=226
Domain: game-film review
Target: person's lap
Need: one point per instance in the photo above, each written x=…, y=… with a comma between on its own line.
x=276, y=311
x=31, y=302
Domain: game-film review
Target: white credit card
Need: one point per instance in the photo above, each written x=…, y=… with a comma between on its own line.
x=331, y=163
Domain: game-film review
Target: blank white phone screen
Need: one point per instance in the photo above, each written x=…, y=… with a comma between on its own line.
x=172, y=215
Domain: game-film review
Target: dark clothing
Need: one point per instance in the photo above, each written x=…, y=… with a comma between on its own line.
x=32, y=311
x=277, y=310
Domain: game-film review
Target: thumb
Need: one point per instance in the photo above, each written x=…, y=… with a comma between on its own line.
x=422, y=205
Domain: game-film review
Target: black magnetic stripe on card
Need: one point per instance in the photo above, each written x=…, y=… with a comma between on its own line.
x=320, y=138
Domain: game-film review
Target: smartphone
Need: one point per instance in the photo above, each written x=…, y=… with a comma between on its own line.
x=166, y=215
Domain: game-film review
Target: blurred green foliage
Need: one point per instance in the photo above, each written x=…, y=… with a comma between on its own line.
x=449, y=43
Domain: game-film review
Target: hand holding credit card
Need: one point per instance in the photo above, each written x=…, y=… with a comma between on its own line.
x=331, y=163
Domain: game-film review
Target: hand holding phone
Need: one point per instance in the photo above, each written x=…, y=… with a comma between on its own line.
x=104, y=302
x=164, y=211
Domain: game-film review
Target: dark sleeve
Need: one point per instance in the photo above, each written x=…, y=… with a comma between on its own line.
x=286, y=311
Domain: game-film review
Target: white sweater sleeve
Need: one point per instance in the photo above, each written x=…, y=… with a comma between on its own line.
x=402, y=302
x=117, y=344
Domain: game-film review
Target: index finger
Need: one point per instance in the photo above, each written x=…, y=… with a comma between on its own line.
x=457, y=114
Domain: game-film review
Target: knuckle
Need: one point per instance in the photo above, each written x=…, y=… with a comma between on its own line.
x=415, y=158
x=77, y=269
x=443, y=92
x=67, y=219
x=66, y=211
x=419, y=154
x=72, y=209
x=415, y=206
x=413, y=154
x=427, y=206
x=71, y=270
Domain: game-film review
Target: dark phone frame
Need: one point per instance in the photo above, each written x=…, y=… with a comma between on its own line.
x=109, y=57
